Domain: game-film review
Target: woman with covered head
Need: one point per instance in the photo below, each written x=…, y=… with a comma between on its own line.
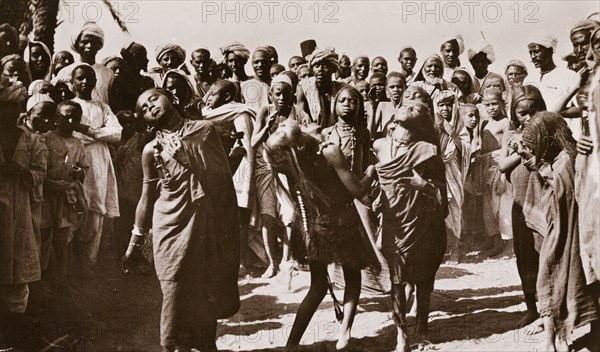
x=456, y=154
x=178, y=83
x=118, y=92
x=14, y=69
x=9, y=40
x=413, y=205
x=87, y=43
x=328, y=228
x=194, y=221
x=430, y=78
x=315, y=94
x=39, y=60
x=169, y=56
x=514, y=158
x=135, y=56
x=566, y=303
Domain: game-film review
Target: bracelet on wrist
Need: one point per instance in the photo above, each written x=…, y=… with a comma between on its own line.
x=139, y=231
x=133, y=244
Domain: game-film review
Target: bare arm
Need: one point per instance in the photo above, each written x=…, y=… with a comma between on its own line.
x=301, y=102
x=561, y=106
x=243, y=123
x=358, y=188
x=261, y=126
x=375, y=121
x=143, y=212
x=508, y=160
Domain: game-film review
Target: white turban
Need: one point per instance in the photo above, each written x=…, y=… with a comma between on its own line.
x=36, y=99
x=545, y=40
x=459, y=39
x=237, y=48
x=89, y=28
x=483, y=47
x=327, y=55
x=281, y=79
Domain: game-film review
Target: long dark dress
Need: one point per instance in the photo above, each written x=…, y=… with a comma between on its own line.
x=196, y=223
x=414, y=236
x=551, y=210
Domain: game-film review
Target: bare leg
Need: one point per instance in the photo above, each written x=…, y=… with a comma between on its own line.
x=269, y=241
x=244, y=222
x=532, y=314
x=411, y=300
x=308, y=307
x=352, y=280
x=549, y=336
x=454, y=252
x=399, y=313
x=286, y=267
x=423, y=304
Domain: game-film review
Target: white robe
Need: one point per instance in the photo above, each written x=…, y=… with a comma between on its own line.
x=100, y=184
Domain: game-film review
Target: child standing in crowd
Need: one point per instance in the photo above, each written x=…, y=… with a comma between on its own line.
x=22, y=167
x=98, y=127
x=64, y=200
x=496, y=198
x=384, y=115
x=456, y=154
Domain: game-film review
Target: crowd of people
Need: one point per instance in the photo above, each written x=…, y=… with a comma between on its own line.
x=325, y=161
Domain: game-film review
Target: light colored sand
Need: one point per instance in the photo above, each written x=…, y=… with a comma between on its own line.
x=474, y=308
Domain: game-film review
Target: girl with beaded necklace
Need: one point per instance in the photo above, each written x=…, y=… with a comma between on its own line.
x=329, y=231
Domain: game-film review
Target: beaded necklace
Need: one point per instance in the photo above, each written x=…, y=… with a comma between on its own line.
x=158, y=148
x=351, y=140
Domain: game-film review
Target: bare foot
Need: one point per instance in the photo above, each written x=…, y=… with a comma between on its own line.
x=535, y=328
x=286, y=271
x=454, y=257
x=529, y=318
x=343, y=341
x=270, y=272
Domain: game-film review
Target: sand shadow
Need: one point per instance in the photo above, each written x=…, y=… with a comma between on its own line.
x=468, y=300
x=249, y=287
x=474, y=326
x=450, y=272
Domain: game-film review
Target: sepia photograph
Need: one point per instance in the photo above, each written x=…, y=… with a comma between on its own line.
x=309, y=175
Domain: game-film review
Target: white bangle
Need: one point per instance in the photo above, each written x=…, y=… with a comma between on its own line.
x=139, y=231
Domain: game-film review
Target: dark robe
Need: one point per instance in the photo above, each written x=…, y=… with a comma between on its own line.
x=561, y=286
x=413, y=230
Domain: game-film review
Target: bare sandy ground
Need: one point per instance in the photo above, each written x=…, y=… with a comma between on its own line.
x=475, y=307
